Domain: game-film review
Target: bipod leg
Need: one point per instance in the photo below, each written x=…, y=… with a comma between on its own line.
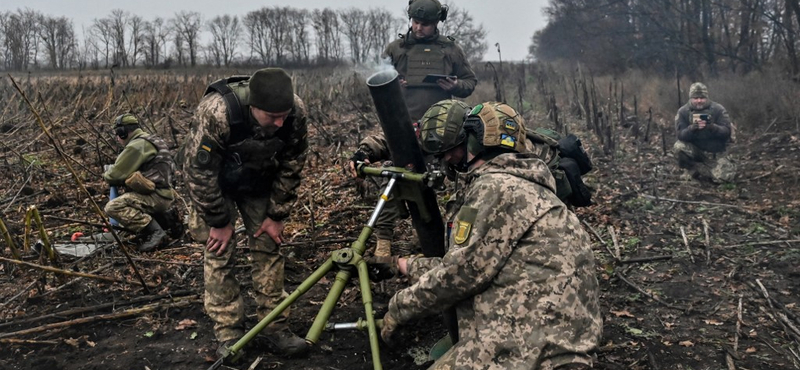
x=366, y=297
x=233, y=352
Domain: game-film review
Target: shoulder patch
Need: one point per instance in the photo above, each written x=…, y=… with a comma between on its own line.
x=463, y=224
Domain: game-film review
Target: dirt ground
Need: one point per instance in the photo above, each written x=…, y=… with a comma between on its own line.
x=684, y=266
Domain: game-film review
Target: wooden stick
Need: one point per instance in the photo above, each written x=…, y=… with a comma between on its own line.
x=83, y=310
x=74, y=273
x=29, y=341
x=697, y=202
x=646, y=259
x=771, y=242
x=686, y=243
x=706, y=229
x=21, y=292
x=181, y=302
x=614, y=240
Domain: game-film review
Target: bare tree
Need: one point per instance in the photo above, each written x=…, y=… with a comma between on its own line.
x=256, y=24
x=154, y=40
x=382, y=29
x=470, y=36
x=328, y=35
x=300, y=45
x=20, y=29
x=225, y=34
x=102, y=32
x=188, y=25
x=354, y=21
x=136, y=38
x=119, y=25
x=58, y=38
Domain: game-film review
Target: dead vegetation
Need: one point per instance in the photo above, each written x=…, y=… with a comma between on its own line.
x=693, y=275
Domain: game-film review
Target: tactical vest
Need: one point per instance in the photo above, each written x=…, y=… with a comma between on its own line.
x=424, y=58
x=160, y=168
x=249, y=164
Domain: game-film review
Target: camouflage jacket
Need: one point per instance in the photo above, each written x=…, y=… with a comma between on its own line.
x=714, y=137
x=414, y=58
x=519, y=271
x=206, y=153
x=149, y=155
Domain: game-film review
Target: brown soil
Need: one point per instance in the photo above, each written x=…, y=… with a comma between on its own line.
x=676, y=313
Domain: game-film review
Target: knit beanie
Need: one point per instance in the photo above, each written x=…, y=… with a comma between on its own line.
x=698, y=90
x=271, y=90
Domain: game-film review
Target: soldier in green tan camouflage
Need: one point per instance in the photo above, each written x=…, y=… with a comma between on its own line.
x=704, y=131
x=421, y=51
x=519, y=269
x=246, y=151
x=145, y=167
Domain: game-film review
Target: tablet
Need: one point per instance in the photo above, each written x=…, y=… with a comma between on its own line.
x=432, y=78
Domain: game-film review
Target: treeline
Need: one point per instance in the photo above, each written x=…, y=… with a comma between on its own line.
x=687, y=37
x=281, y=36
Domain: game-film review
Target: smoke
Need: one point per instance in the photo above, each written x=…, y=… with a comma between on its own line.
x=368, y=69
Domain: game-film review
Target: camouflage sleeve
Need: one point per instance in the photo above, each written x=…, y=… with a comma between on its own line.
x=466, y=77
x=290, y=164
x=682, y=123
x=203, y=160
x=377, y=147
x=720, y=124
x=492, y=227
x=136, y=153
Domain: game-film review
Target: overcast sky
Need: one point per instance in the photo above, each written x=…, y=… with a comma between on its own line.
x=509, y=22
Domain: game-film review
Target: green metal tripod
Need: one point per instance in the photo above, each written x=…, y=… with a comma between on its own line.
x=406, y=185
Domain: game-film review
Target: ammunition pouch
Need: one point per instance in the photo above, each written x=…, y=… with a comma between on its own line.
x=249, y=166
x=136, y=182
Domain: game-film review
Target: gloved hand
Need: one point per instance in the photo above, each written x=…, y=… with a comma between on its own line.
x=382, y=268
x=390, y=325
x=361, y=155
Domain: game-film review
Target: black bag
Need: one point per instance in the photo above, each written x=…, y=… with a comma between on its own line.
x=571, y=147
x=581, y=196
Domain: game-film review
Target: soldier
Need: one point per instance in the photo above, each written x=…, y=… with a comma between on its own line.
x=246, y=151
x=704, y=130
x=519, y=269
x=421, y=51
x=145, y=167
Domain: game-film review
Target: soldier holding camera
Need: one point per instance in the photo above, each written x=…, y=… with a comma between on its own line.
x=704, y=131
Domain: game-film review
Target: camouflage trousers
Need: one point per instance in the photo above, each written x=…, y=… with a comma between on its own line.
x=134, y=210
x=547, y=361
x=718, y=167
x=223, y=301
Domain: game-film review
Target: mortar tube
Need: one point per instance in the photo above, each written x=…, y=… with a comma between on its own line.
x=395, y=121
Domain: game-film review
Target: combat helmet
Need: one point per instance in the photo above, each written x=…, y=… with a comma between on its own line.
x=125, y=120
x=495, y=126
x=442, y=126
x=427, y=10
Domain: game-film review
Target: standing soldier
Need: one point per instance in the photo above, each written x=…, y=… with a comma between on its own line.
x=246, y=151
x=519, y=269
x=418, y=53
x=704, y=131
x=146, y=168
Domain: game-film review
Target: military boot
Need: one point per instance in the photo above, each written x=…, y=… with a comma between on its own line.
x=284, y=342
x=151, y=236
x=384, y=248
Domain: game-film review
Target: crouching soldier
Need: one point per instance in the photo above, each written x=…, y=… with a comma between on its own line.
x=704, y=131
x=145, y=167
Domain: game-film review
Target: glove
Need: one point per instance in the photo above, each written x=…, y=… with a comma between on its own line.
x=362, y=154
x=382, y=268
x=389, y=327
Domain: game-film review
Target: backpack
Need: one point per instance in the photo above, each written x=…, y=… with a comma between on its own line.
x=568, y=163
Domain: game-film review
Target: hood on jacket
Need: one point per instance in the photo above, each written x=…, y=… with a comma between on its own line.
x=523, y=165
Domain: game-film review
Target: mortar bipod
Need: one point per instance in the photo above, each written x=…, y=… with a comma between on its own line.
x=345, y=260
